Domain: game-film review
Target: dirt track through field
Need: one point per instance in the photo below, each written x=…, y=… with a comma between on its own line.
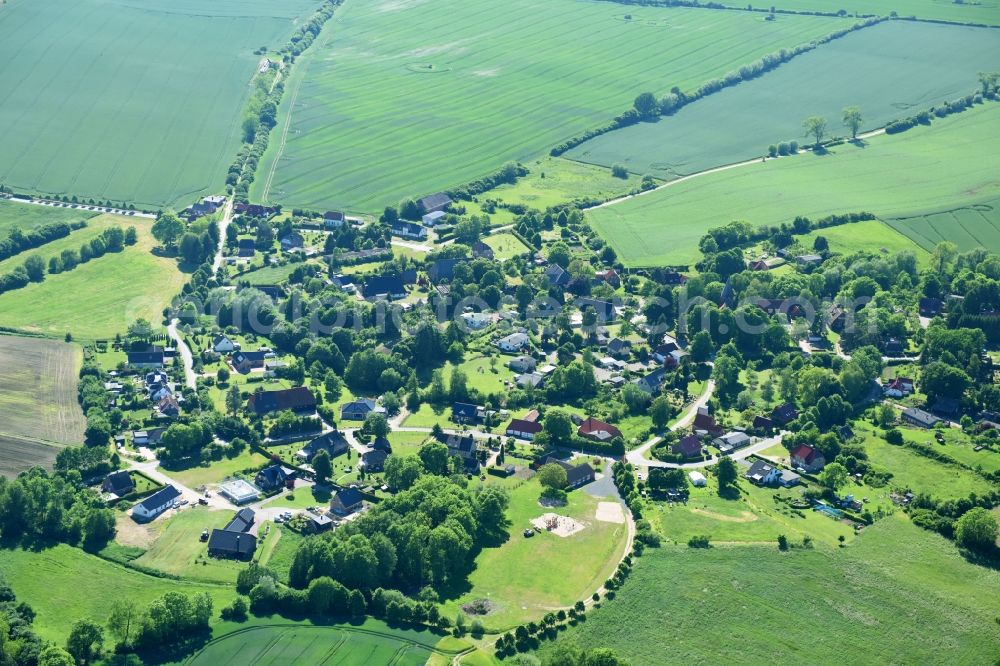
x=38, y=381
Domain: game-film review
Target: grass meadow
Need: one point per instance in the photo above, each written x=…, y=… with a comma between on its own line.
x=556, y=180
x=526, y=577
x=947, y=165
x=871, y=602
x=100, y=298
x=399, y=98
x=38, y=408
x=141, y=102
x=869, y=236
x=876, y=68
x=28, y=216
x=64, y=584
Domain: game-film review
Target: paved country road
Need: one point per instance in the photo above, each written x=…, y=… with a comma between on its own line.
x=190, y=378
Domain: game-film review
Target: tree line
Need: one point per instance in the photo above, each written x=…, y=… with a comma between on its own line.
x=18, y=241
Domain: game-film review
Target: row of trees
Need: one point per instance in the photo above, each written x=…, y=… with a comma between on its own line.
x=18, y=241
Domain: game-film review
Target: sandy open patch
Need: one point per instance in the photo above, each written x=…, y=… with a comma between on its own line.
x=744, y=517
x=130, y=533
x=562, y=526
x=610, y=512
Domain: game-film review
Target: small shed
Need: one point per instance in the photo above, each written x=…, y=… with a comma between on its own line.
x=697, y=479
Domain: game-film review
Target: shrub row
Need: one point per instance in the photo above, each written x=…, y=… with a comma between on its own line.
x=18, y=241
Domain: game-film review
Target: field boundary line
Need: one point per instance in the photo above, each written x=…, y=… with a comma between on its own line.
x=34, y=440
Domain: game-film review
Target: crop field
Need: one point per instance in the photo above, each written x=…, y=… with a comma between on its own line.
x=968, y=227
x=871, y=602
x=408, y=98
x=38, y=408
x=142, y=102
x=876, y=68
x=100, y=298
x=28, y=216
x=312, y=645
x=947, y=165
x=514, y=576
x=981, y=11
x=64, y=584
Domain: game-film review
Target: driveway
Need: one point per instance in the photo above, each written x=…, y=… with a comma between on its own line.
x=190, y=378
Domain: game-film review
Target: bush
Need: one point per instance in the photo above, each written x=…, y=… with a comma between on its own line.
x=618, y=171
x=699, y=542
x=894, y=437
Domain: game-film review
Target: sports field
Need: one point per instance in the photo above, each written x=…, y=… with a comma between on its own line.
x=876, y=69
x=968, y=227
x=141, y=102
x=101, y=297
x=950, y=164
x=28, y=216
x=406, y=98
x=898, y=594
x=38, y=408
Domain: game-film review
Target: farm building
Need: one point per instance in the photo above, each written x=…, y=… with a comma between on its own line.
x=155, y=504
x=576, y=475
x=435, y=202
x=146, y=359
x=233, y=541
x=346, y=501
x=920, y=418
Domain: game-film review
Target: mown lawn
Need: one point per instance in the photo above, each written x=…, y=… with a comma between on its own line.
x=898, y=594
x=216, y=472
x=871, y=236
x=505, y=246
x=526, y=577
x=556, y=180
x=64, y=584
x=179, y=550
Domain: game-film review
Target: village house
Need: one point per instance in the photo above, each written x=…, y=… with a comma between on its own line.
x=732, y=441
x=155, y=504
x=298, y=399
x=411, y=230
x=358, y=410
x=807, y=458
x=223, y=345
x=605, y=310
x=513, y=343
x=476, y=320
x=598, y=431
x=145, y=359
x=704, y=425
x=481, y=250
x=443, y=269
x=246, y=248
x=920, y=418
x=784, y=414
x=522, y=363
x=687, y=447
x=149, y=438
x=651, y=382
x=609, y=276
x=576, y=475
x=619, y=348
x=246, y=361
x=463, y=412
x=234, y=541
x=333, y=442
x=292, y=241
x=118, y=483
x=381, y=287
x=372, y=461
x=346, y=501
x=523, y=429
x=273, y=477
x=556, y=275
x=333, y=219
x=763, y=473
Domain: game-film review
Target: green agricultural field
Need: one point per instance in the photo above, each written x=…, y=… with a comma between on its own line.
x=100, y=298
x=968, y=227
x=872, y=236
x=178, y=548
x=408, y=98
x=876, y=68
x=38, y=407
x=949, y=164
x=978, y=11
x=28, y=216
x=280, y=642
x=142, y=102
x=521, y=577
x=64, y=584
x=871, y=602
